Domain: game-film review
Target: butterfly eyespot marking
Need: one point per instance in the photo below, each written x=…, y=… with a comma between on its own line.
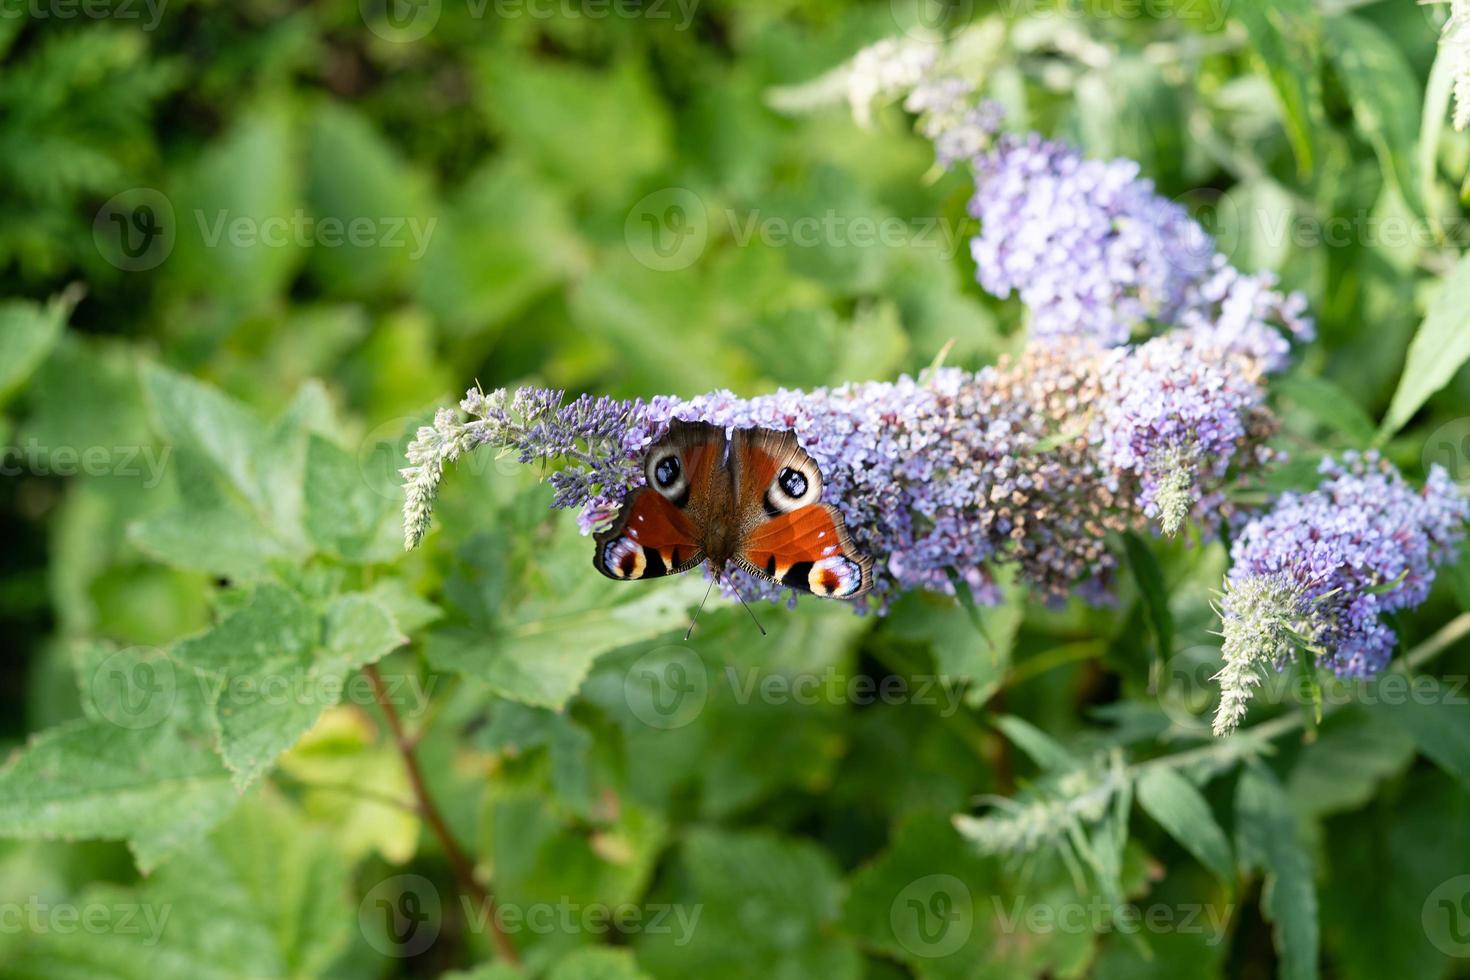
x=835, y=577
x=666, y=471
x=791, y=481
x=624, y=558
x=794, y=486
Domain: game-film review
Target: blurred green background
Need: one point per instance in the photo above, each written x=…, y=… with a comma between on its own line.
x=248, y=246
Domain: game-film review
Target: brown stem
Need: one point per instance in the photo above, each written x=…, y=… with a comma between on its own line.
x=429, y=811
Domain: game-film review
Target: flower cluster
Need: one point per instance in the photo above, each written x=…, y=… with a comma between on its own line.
x=1092, y=249
x=1320, y=570
x=1456, y=41
x=1032, y=461
x=1175, y=416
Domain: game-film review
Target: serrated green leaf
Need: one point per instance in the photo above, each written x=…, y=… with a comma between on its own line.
x=264, y=896
x=1439, y=349
x=1266, y=838
x=343, y=513
x=139, y=768
x=1181, y=809
x=1385, y=97
x=542, y=659
x=276, y=664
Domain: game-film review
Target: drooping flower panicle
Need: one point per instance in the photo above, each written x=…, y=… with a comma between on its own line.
x=1320, y=570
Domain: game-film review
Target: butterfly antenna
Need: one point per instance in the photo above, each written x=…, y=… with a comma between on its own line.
x=689, y=632
x=749, y=610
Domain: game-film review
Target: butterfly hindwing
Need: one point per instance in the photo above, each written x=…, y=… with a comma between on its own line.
x=807, y=549
x=651, y=537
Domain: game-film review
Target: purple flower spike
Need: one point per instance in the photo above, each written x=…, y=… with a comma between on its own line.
x=1322, y=568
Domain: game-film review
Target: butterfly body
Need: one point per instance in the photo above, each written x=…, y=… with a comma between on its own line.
x=751, y=502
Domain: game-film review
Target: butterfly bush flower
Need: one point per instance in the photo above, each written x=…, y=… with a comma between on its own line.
x=1033, y=461
x=1320, y=570
x=1091, y=248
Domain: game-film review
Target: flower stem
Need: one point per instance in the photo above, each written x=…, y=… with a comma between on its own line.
x=1248, y=741
x=428, y=810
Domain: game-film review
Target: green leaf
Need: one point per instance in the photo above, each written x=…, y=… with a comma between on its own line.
x=264, y=896
x=1150, y=579
x=274, y=666
x=1432, y=119
x=1329, y=404
x=138, y=768
x=1181, y=809
x=1042, y=749
x=1435, y=715
x=1439, y=349
x=767, y=907
x=1341, y=769
x=1284, y=39
x=343, y=513
x=1385, y=97
x=541, y=654
x=1266, y=838
x=28, y=331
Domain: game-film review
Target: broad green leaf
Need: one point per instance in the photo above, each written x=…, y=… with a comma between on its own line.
x=1284, y=38
x=1328, y=404
x=1435, y=715
x=1266, y=838
x=1341, y=770
x=1155, y=593
x=265, y=896
x=766, y=906
x=28, y=331
x=1181, y=809
x=194, y=416
x=1440, y=348
x=138, y=768
x=343, y=513
x=1385, y=97
x=541, y=655
x=275, y=665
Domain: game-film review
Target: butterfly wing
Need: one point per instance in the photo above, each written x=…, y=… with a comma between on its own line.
x=650, y=538
x=658, y=530
x=790, y=538
x=807, y=549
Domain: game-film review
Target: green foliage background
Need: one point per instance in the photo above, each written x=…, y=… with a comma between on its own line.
x=200, y=500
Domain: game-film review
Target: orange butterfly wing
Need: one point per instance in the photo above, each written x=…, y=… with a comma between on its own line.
x=651, y=537
x=807, y=549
